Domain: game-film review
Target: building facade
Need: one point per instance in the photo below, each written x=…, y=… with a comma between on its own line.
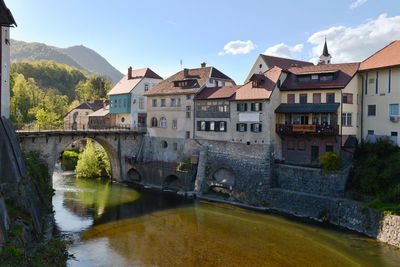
x=78, y=118
x=128, y=105
x=380, y=89
x=6, y=21
x=170, y=104
x=319, y=111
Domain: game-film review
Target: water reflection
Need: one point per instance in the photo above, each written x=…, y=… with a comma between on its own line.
x=120, y=227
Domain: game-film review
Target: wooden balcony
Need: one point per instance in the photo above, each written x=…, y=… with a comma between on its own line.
x=316, y=129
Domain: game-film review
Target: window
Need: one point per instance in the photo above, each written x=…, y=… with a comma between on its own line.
x=110, y=104
x=290, y=145
x=115, y=103
x=346, y=119
x=371, y=110
x=315, y=118
x=154, y=122
x=290, y=98
x=304, y=118
x=330, y=98
x=211, y=81
x=164, y=144
x=393, y=133
x=241, y=127
x=216, y=83
x=303, y=98
x=260, y=66
x=376, y=83
x=174, y=124
x=317, y=98
x=173, y=102
x=393, y=109
x=146, y=87
x=187, y=134
x=347, y=98
x=301, y=145
x=162, y=102
x=314, y=77
x=175, y=146
x=179, y=102
x=163, y=122
x=154, y=103
x=304, y=78
x=187, y=97
x=256, y=127
x=124, y=103
x=370, y=132
x=329, y=147
x=141, y=103
x=221, y=126
x=122, y=119
x=326, y=78
x=188, y=114
x=256, y=106
x=242, y=107
x=222, y=83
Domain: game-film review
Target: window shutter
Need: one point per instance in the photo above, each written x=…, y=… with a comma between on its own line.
x=237, y=127
x=260, y=106
x=207, y=125
x=226, y=126
x=252, y=127
x=253, y=107
x=238, y=107
x=350, y=98
x=198, y=125
x=260, y=127
x=245, y=107
x=245, y=126
x=216, y=126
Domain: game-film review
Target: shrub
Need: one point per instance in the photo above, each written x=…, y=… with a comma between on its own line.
x=184, y=165
x=69, y=159
x=330, y=161
x=93, y=162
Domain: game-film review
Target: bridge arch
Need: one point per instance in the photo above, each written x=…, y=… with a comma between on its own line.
x=134, y=175
x=172, y=182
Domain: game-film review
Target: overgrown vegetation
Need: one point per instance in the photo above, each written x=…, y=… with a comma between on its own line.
x=69, y=160
x=330, y=161
x=184, y=165
x=43, y=92
x=93, y=162
x=377, y=173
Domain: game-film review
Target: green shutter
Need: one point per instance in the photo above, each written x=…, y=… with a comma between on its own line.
x=260, y=127
x=245, y=125
x=253, y=106
x=216, y=126
x=226, y=126
x=237, y=127
x=207, y=125
x=198, y=125
x=245, y=107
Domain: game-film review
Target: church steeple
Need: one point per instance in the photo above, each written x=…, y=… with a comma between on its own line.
x=325, y=58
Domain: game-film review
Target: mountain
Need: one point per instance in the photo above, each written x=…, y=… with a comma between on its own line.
x=79, y=57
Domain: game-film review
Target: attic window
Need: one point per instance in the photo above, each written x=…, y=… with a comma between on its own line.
x=260, y=66
x=314, y=77
x=185, y=83
x=326, y=77
x=304, y=78
x=256, y=83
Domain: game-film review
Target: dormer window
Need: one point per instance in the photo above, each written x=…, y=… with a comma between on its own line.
x=326, y=77
x=185, y=83
x=314, y=77
x=304, y=78
x=256, y=83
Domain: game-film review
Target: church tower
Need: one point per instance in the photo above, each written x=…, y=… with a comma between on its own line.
x=325, y=58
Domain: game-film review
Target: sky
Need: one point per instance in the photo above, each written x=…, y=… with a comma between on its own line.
x=228, y=35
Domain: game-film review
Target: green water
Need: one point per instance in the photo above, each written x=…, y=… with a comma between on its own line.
x=113, y=225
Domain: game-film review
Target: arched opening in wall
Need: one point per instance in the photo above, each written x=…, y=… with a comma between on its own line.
x=222, y=183
x=172, y=183
x=134, y=176
x=154, y=122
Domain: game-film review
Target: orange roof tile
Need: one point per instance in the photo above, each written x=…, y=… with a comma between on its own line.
x=247, y=92
x=217, y=92
x=389, y=56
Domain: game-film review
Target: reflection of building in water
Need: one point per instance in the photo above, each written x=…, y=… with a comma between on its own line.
x=74, y=205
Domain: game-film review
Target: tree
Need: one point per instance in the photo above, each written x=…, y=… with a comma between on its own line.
x=96, y=87
x=88, y=165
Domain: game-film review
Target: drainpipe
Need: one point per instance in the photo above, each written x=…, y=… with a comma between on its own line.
x=362, y=107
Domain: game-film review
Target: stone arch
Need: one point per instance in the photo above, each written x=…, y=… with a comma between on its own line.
x=111, y=153
x=134, y=175
x=224, y=176
x=172, y=182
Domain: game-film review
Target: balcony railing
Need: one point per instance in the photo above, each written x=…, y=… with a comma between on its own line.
x=322, y=129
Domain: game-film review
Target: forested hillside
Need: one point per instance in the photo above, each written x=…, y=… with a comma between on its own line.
x=79, y=57
x=43, y=92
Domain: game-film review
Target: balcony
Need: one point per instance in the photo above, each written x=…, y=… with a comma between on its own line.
x=317, y=129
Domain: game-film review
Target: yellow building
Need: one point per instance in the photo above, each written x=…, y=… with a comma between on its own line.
x=381, y=94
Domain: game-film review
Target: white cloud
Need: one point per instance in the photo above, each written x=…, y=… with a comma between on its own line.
x=238, y=47
x=283, y=50
x=348, y=44
x=357, y=3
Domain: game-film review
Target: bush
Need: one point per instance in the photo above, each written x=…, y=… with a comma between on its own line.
x=330, y=161
x=69, y=159
x=184, y=165
x=93, y=162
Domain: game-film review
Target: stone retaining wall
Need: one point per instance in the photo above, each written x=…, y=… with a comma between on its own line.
x=310, y=180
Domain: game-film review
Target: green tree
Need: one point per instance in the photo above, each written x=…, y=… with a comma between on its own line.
x=96, y=87
x=88, y=165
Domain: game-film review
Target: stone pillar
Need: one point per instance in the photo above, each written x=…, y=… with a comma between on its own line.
x=201, y=170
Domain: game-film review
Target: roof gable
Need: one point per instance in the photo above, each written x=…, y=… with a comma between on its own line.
x=284, y=63
x=389, y=56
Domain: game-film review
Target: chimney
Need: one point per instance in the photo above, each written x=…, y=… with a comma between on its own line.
x=203, y=65
x=129, y=73
x=185, y=73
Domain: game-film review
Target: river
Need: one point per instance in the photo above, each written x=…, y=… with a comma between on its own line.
x=114, y=225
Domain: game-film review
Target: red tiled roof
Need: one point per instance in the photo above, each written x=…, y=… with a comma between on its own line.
x=343, y=72
x=199, y=75
x=125, y=85
x=247, y=92
x=217, y=92
x=388, y=56
x=284, y=63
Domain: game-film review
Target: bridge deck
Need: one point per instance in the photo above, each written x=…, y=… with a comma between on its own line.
x=78, y=133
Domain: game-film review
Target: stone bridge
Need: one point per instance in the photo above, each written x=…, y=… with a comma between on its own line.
x=119, y=145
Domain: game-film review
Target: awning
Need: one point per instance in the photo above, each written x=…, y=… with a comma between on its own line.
x=308, y=108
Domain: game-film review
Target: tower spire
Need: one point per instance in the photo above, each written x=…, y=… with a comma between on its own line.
x=325, y=58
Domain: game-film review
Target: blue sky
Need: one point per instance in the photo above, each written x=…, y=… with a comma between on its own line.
x=158, y=34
